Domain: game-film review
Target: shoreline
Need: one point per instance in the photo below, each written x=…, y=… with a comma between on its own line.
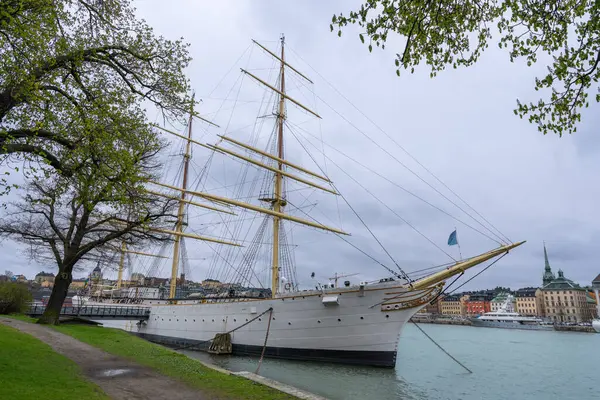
x=448, y=321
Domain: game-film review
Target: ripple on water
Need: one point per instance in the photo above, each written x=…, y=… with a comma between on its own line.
x=507, y=364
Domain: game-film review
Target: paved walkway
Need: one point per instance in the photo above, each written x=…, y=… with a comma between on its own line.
x=121, y=379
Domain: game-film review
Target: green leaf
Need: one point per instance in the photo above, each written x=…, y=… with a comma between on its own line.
x=362, y=38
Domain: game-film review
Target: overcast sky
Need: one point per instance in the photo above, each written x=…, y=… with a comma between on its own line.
x=460, y=125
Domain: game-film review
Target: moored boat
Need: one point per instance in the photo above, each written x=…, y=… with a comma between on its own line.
x=356, y=324
x=510, y=320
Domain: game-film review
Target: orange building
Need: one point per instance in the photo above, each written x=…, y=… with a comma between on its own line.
x=478, y=304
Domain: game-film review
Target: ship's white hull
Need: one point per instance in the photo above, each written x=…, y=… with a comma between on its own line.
x=356, y=329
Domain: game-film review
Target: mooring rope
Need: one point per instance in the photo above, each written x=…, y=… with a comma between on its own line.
x=265, y=345
x=270, y=309
x=441, y=348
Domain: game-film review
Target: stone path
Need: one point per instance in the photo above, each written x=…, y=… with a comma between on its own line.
x=119, y=378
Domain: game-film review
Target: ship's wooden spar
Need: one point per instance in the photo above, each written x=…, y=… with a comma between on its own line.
x=190, y=202
x=282, y=94
x=140, y=253
x=181, y=234
x=282, y=61
x=255, y=208
x=273, y=169
x=462, y=266
x=275, y=158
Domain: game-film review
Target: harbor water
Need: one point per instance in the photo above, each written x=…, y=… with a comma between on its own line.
x=506, y=363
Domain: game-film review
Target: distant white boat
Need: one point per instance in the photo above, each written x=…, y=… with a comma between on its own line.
x=506, y=318
x=510, y=320
x=596, y=325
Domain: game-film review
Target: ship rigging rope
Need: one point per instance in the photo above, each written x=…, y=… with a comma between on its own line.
x=503, y=237
x=269, y=310
x=389, y=181
x=397, y=275
x=404, y=274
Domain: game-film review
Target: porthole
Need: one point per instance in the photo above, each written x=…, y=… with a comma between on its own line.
x=362, y=317
x=387, y=316
x=339, y=320
x=289, y=323
x=319, y=321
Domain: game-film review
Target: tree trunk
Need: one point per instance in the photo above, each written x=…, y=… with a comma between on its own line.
x=57, y=297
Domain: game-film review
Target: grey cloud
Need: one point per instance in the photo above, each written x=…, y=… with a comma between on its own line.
x=460, y=125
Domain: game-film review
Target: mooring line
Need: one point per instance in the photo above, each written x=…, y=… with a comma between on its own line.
x=441, y=348
x=270, y=309
x=265, y=345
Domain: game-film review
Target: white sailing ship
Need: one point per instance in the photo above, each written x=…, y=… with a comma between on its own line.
x=355, y=324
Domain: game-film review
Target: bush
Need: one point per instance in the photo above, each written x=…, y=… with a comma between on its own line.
x=14, y=298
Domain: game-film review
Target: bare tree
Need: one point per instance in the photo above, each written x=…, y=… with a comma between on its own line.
x=77, y=219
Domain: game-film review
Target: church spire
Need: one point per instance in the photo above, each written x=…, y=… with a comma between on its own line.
x=546, y=259
x=548, y=275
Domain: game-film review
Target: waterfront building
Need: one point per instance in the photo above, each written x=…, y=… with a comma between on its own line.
x=530, y=301
x=478, y=303
x=500, y=300
x=155, y=281
x=211, y=284
x=451, y=305
x=566, y=301
x=563, y=299
x=44, y=279
x=77, y=284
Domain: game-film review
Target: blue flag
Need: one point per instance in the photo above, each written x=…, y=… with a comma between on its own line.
x=452, y=240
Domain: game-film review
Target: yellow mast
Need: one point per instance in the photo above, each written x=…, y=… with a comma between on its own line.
x=180, y=212
x=278, y=202
x=120, y=276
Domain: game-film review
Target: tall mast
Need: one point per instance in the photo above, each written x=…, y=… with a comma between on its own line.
x=278, y=202
x=180, y=212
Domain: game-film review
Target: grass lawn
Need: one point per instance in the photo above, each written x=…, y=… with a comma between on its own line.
x=172, y=364
x=30, y=369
